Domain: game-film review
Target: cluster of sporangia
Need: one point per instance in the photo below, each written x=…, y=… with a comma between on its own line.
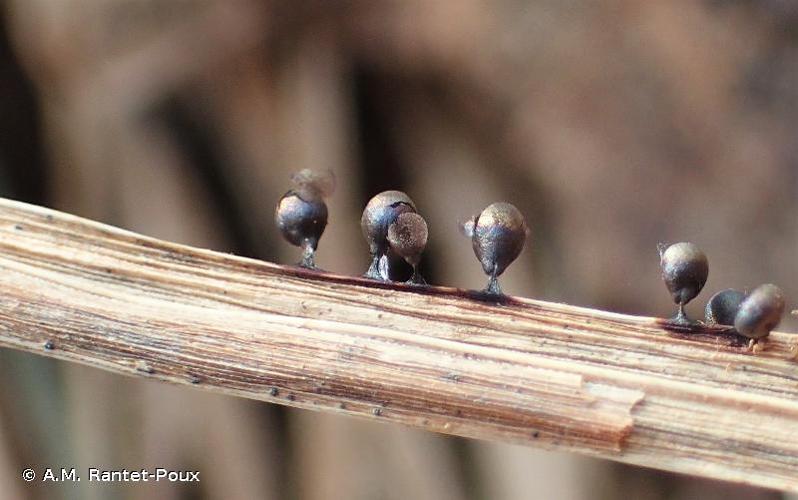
x=685, y=269
x=394, y=230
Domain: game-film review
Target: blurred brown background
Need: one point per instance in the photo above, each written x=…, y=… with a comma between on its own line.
x=613, y=125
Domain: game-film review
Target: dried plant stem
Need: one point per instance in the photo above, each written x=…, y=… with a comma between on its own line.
x=631, y=389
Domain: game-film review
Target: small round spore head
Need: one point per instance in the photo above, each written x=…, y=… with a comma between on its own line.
x=723, y=306
x=380, y=212
x=407, y=237
x=684, y=270
x=760, y=312
x=301, y=221
x=499, y=233
x=301, y=214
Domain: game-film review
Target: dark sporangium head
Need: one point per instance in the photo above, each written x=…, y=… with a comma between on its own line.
x=723, y=306
x=760, y=312
x=497, y=235
x=381, y=211
x=301, y=214
x=685, y=269
x=407, y=237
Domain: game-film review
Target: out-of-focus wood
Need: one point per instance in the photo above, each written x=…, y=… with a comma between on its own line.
x=631, y=389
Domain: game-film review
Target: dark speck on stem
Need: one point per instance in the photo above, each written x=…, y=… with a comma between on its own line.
x=144, y=368
x=274, y=391
x=49, y=345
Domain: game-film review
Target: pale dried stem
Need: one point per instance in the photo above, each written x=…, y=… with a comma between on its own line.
x=632, y=389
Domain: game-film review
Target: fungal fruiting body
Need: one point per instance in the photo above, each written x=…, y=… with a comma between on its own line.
x=407, y=237
x=760, y=312
x=301, y=213
x=497, y=235
x=684, y=270
x=381, y=211
x=723, y=306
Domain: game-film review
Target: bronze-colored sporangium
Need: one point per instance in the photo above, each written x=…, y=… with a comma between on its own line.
x=497, y=235
x=760, y=312
x=685, y=269
x=407, y=237
x=381, y=211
